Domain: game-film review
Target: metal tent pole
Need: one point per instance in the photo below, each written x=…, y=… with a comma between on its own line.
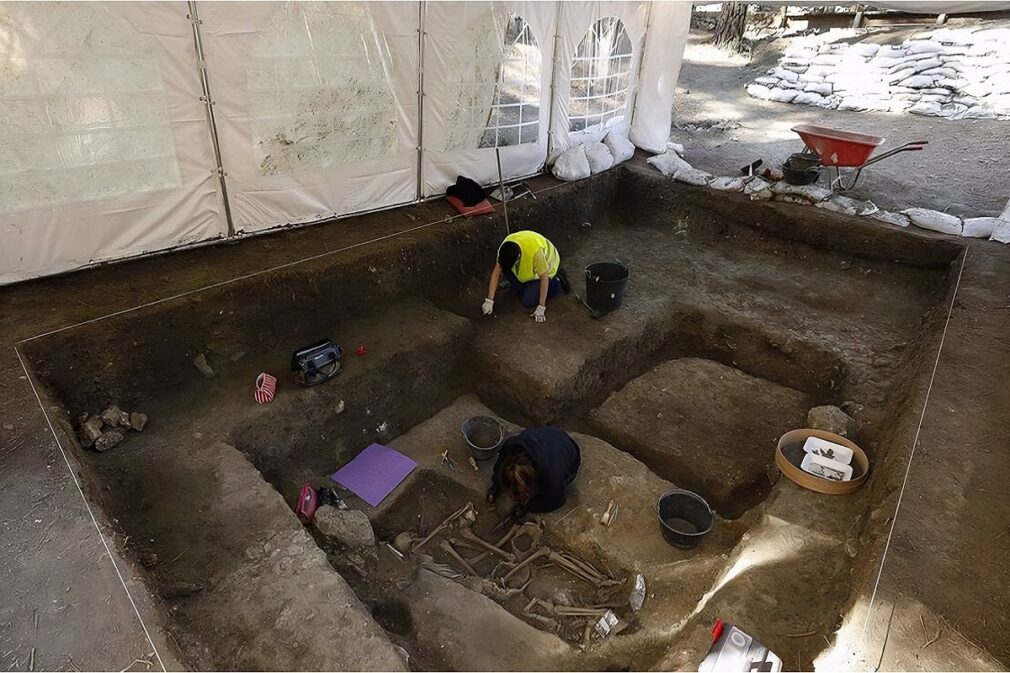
x=208, y=101
x=641, y=64
x=421, y=11
x=554, y=78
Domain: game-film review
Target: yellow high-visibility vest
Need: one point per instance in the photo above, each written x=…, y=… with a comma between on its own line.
x=530, y=243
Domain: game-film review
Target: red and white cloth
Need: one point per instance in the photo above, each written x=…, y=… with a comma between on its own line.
x=266, y=388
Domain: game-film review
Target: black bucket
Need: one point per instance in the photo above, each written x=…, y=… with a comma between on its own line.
x=605, y=286
x=483, y=435
x=684, y=517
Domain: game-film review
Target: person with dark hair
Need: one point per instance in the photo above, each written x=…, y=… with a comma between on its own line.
x=535, y=468
x=532, y=266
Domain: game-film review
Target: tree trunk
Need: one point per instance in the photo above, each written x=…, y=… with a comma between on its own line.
x=730, y=25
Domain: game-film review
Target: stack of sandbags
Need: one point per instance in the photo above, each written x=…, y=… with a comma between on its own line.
x=672, y=163
x=954, y=73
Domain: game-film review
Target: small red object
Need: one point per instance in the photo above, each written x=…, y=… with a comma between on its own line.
x=836, y=147
x=361, y=351
x=482, y=208
x=717, y=630
x=307, y=503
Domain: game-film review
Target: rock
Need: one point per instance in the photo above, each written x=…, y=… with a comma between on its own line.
x=831, y=419
x=109, y=439
x=138, y=421
x=200, y=362
x=114, y=416
x=91, y=429
x=348, y=531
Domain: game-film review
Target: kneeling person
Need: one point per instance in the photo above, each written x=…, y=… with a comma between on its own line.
x=535, y=468
x=532, y=266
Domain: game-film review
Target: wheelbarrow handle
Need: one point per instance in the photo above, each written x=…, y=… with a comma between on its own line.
x=909, y=147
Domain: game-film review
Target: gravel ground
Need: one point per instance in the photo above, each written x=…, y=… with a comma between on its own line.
x=723, y=129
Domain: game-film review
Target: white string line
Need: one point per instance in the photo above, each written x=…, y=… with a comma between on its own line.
x=84, y=499
x=165, y=299
x=253, y=274
x=911, y=455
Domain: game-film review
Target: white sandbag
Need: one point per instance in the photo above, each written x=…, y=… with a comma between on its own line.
x=978, y=112
x=952, y=84
x=758, y=189
x=811, y=193
x=923, y=47
x=727, y=184
x=917, y=82
x=782, y=95
x=808, y=98
x=896, y=219
x=926, y=64
x=829, y=103
x=693, y=176
x=952, y=110
x=1001, y=233
x=787, y=75
x=767, y=80
x=826, y=59
x=667, y=163
x=837, y=204
x=676, y=147
x=980, y=227
x=866, y=49
x=819, y=70
x=822, y=88
x=807, y=78
x=599, y=157
x=621, y=148
x=572, y=165
x=941, y=72
x=789, y=198
x=934, y=220
x=928, y=108
x=758, y=91
x=900, y=75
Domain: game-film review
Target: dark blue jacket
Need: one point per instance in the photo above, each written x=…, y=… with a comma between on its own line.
x=555, y=457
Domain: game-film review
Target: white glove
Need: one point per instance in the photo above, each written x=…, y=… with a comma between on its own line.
x=538, y=315
x=488, y=306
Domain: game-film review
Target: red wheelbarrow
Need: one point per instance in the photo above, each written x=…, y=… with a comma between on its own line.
x=847, y=149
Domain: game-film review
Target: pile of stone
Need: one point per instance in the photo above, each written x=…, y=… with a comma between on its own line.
x=758, y=188
x=104, y=431
x=958, y=73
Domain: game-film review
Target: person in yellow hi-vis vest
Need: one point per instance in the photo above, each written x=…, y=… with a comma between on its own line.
x=532, y=266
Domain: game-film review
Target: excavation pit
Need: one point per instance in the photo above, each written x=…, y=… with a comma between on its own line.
x=791, y=306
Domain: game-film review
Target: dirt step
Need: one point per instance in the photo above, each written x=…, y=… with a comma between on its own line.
x=259, y=594
x=677, y=579
x=709, y=426
x=410, y=365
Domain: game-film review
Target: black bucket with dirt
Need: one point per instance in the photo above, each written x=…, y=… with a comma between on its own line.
x=483, y=435
x=605, y=286
x=684, y=517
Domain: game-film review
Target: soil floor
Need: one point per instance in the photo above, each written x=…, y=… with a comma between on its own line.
x=808, y=306
x=724, y=129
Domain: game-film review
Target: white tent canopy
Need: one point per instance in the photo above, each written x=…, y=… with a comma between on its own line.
x=128, y=128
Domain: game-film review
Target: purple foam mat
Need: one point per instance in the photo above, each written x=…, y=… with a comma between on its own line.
x=374, y=473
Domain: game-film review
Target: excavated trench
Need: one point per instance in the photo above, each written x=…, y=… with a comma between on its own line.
x=739, y=318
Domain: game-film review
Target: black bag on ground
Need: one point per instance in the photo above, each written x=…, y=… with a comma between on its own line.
x=316, y=363
x=467, y=191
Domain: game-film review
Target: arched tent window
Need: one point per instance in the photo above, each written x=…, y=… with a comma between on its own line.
x=515, y=115
x=83, y=114
x=601, y=74
x=319, y=89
